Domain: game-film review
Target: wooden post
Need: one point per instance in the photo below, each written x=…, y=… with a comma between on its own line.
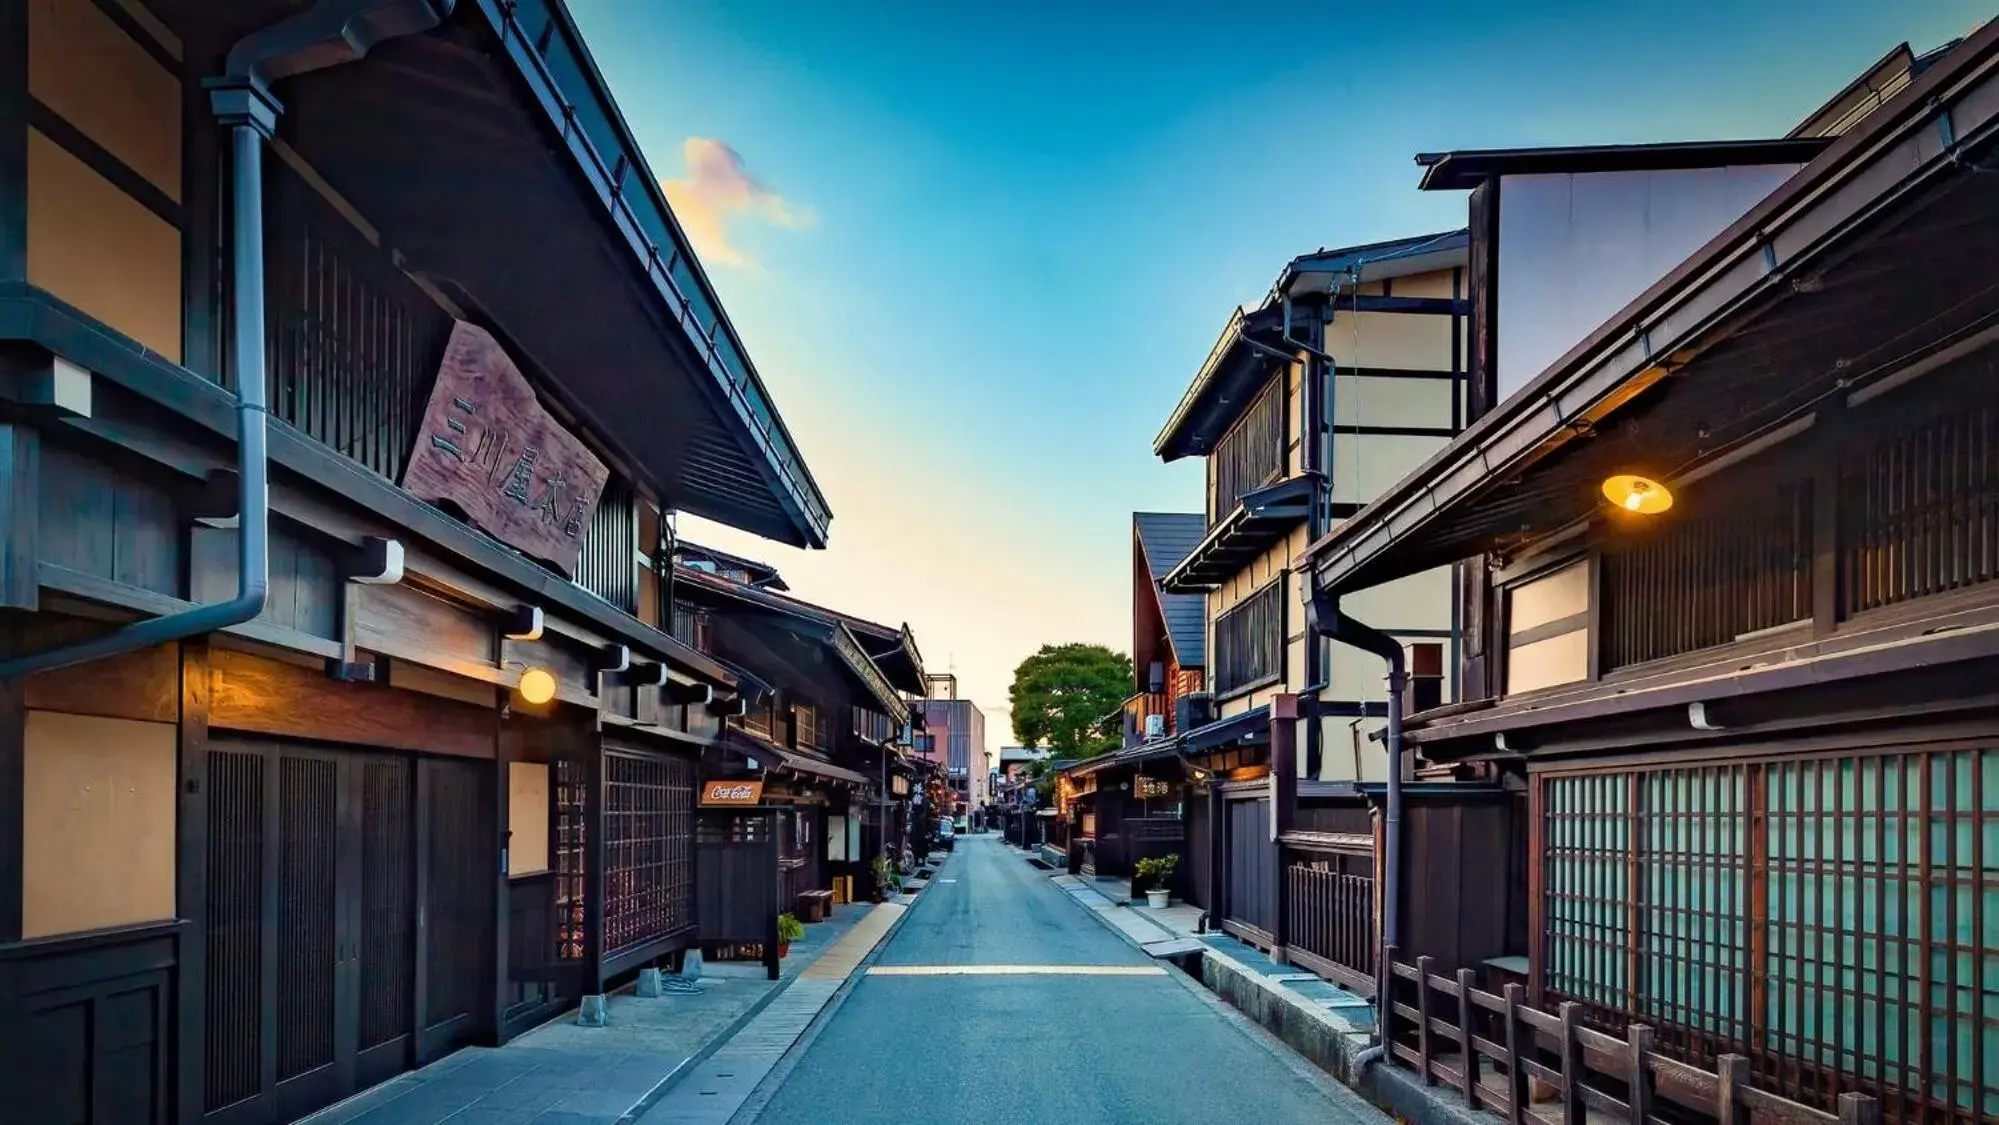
x=1465, y=1047
x=1638, y=1052
x=593, y=865
x=1733, y=1071
x=773, y=964
x=191, y=869
x=1859, y=1109
x=1218, y=854
x=1573, y=1111
x=1283, y=798
x=1516, y=1065
x=1423, y=1018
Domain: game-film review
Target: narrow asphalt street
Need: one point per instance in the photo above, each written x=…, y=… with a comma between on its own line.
x=1001, y=1000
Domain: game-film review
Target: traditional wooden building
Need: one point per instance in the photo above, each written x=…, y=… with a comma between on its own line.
x=340, y=724
x=1169, y=632
x=821, y=733
x=1351, y=371
x=1734, y=549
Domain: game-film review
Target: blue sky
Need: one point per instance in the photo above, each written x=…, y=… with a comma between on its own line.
x=978, y=250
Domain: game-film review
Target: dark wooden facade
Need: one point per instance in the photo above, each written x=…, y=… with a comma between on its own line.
x=342, y=845
x=817, y=730
x=1753, y=732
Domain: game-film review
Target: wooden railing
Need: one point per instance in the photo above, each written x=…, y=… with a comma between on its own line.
x=1515, y=1039
x=1329, y=924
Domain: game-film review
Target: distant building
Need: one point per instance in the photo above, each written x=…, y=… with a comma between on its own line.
x=954, y=736
x=1015, y=760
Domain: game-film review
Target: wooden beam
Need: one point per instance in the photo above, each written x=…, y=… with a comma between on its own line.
x=191, y=875
x=1378, y=303
x=14, y=105
x=20, y=516
x=12, y=792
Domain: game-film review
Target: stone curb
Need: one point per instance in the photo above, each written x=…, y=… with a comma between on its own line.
x=715, y=1041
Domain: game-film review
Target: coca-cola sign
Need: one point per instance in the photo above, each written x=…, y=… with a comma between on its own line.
x=732, y=792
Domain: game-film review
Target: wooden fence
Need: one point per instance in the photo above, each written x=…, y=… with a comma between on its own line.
x=1516, y=1039
x=1329, y=924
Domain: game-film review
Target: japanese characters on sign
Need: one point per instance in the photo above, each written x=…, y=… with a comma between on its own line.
x=488, y=449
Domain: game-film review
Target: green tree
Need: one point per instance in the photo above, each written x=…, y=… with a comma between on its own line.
x=1068, y=697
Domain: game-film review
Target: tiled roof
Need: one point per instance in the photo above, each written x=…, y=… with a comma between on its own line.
x=1167, y=538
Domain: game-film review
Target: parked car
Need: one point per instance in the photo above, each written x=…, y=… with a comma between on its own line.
x=946, y=837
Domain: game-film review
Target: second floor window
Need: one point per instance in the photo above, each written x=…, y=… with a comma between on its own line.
x=804, y=726
x=1249, y=640
x=1251, y=455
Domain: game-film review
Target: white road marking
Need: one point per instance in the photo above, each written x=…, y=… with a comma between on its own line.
x=1016, y=970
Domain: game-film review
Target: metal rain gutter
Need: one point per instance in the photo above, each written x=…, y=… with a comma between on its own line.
x=1323, y=618
x=328, y=34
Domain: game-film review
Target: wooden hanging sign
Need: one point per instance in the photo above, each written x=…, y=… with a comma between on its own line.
x=491, y=453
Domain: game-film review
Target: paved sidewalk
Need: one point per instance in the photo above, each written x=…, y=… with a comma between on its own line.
x=719, y=1085
x=563, y=1074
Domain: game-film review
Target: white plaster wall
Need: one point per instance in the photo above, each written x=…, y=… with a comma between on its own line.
x=1575, y=249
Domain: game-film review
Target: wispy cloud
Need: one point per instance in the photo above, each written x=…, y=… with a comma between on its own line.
x=717, y=189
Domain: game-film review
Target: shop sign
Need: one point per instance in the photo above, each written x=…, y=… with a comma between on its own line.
x=489, y=451
x=731, y=792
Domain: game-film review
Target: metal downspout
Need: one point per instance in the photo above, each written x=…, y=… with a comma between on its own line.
x=327, y=34
x=1324, y=618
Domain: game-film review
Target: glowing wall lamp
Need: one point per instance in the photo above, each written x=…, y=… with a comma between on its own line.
x=537, y=685
x=1641, y=495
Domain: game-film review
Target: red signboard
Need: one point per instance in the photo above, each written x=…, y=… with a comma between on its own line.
x=731, y=792
x=490, y=452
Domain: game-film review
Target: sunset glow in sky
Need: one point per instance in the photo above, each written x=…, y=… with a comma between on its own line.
x=977, y=251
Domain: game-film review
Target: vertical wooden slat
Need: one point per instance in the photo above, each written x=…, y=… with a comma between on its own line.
x=1517, y=1034
x=1638, y=1072
x=1574, y=1112
x=1423, y=966
x=1733, y=1071
x=1467, y=1052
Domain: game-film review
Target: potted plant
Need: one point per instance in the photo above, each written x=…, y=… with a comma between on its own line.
x=882, y=879
x=1155, y=873
x=789, y=929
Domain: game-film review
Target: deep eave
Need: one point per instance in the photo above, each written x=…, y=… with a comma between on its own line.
x=1890, y=672
x=1263, y=518
x=1242, y=728
x=1467, y=168
x=625, y=185
x=769, y=755
x=1444, y=510
x=1226, y=383
x=32, y=316
x=812, y=622
x=1314, y=274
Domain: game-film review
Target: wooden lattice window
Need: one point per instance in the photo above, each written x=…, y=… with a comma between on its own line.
x=570, y=854
x=1251, y=455
x=1825, y=916
x=1739, y=567
x=1919, y=513
x=1249, y=640
x=648, y=848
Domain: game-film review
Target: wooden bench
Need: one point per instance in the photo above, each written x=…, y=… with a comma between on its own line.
x=814, y=906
